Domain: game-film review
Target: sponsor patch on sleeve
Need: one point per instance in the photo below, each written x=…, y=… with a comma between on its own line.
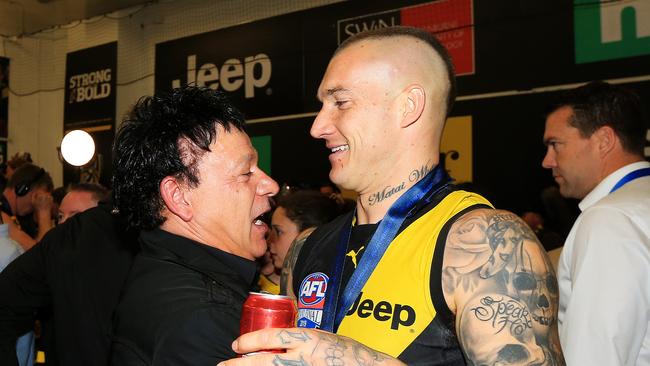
x=311, y=300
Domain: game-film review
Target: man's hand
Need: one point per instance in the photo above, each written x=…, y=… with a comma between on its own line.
x=304, y=347
x=17, y=234
x=42, y=201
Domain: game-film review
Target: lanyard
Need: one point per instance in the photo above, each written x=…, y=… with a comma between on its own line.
x=334, y=311
x=630, y=177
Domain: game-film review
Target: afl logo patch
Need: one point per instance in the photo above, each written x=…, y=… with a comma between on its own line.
x=313, y=289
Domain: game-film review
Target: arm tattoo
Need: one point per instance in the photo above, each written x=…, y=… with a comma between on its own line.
x=286, y=287
x=334, y=354
x=279, y=361
x=366, y=356
x=501, y=313
x=287, y=337
x=337, y=349
x=498, y=330
x=507, y=288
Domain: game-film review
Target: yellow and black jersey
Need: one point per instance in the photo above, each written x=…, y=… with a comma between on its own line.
x=401, y=310
x=266, y=285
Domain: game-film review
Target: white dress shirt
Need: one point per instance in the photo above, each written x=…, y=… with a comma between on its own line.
x=604, y=276
x=9, y=249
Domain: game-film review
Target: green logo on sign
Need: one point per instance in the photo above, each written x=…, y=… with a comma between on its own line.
x=611, y=30
x=263, y=146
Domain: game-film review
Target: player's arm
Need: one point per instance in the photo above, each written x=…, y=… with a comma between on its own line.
x=24, y=288
x=305, y=347
x=286, y=276
x=15, y=233
x=502, y=288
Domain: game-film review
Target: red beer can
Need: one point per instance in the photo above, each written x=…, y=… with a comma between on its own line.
x=267, y=311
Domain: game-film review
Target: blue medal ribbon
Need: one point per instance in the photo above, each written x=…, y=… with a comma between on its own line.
x=630, y=177
x=335, y=309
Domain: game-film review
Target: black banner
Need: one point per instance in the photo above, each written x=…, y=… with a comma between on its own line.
x=259, y=65
x=90, y=105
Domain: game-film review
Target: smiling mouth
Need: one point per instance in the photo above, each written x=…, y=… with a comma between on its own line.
x=340, y=148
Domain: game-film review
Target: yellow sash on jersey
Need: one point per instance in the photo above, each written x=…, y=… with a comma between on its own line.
x=395, y=305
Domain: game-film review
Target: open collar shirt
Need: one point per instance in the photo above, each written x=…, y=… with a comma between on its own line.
x=604, y=276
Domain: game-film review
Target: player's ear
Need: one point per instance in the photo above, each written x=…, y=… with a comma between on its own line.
x=414, y=101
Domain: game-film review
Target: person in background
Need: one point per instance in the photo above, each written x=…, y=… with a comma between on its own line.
x=16, y=161
x=9, y=167
x=57, y=196
x=73, y=279
x=28, y=191
x=561, y=212
x=269, y=281
x=80, y=197
x=10, y=250
x=549, y=238
x=296, y=212
x=419, y=273
x=185, y=173
x=330, y=190
x=595, y=137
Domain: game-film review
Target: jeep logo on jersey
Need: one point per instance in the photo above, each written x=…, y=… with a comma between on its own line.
x=312, y=289
x=383, y=311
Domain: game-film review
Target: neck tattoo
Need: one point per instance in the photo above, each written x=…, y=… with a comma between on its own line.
x=389, y=191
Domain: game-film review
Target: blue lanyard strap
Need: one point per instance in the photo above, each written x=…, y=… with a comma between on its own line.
x=630, y=177
x=335, y=310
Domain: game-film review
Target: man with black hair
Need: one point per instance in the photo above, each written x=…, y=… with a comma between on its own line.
x=435, y=276
x=595, y=136
x=186, y=174
x=28, y=191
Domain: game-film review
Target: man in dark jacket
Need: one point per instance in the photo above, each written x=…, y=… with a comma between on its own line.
x=186, y=174
x=75, y=273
